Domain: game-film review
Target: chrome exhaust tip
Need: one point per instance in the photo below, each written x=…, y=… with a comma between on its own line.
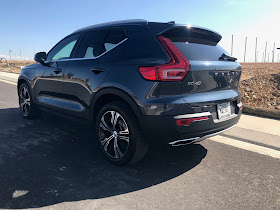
x=196, y=139
x=186, y=141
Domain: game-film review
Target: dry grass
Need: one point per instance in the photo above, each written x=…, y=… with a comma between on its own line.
x=14, y=66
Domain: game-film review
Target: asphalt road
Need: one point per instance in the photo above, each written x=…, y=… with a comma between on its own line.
x=53, y=163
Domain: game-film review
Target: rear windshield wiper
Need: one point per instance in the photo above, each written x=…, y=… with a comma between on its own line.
x=226, y=57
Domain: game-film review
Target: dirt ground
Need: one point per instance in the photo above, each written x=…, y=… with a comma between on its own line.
x=14, y=66
x=259, y=85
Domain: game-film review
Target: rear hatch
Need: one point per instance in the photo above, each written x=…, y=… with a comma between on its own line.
x=213, y=75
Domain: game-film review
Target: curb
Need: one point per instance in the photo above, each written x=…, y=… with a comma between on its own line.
x=261, y=112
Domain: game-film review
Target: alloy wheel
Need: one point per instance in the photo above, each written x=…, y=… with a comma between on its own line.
x=24, y=101
x=114, y=134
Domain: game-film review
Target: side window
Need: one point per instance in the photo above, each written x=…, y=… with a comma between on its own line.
x=95, y=43
x=92, y=44
x=114, y=37
x=64, y=49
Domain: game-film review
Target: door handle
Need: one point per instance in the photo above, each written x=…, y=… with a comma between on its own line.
x=57, y=70
x=97, y=70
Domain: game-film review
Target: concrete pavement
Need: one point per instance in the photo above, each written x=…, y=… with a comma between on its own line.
x=8, y=77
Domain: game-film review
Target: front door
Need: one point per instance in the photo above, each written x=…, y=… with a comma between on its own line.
x=48, y=86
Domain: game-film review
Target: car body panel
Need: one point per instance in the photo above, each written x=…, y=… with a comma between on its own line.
x=76, y=90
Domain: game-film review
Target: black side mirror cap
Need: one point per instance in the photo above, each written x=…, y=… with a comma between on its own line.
x=40, y=57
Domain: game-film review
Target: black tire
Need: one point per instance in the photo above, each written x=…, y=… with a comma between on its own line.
x=27, y=107
x=129, y=150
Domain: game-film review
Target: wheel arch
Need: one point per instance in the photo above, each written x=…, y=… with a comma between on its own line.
x=106, y=95
x=22, y=80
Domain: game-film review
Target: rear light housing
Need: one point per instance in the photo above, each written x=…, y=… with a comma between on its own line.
x=188, y=121
x=175, y=70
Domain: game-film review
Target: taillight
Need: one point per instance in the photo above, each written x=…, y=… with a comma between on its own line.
x=175, y=70
x=186, y=122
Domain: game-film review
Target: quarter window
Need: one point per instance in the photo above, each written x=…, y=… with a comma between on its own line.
x=98, y=42
x=114, y=37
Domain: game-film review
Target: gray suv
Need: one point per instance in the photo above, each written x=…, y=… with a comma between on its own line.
x=137, y=81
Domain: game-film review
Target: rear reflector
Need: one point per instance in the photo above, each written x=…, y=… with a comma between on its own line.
x=240, y=105
x=175, y=70
x=186, y=122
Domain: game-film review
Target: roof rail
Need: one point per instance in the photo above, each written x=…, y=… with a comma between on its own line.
x=112, y=23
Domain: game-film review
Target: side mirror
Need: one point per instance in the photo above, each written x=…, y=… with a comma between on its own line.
x=41, y=57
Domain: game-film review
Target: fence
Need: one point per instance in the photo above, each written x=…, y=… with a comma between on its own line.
x=245, y=49
x=248, y=49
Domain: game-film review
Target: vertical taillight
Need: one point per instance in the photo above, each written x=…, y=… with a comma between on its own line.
x=175, y=70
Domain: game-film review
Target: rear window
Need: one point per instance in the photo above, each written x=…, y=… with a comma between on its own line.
x=194, y=51
x=195, y=43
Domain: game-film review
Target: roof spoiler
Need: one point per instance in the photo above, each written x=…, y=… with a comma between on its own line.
x=187, y=33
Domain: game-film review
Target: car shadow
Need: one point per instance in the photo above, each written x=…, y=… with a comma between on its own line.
x=52, y=160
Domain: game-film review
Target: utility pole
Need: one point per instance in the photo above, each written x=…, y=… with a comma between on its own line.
x=245, y=49
x=273, y=52
x=256, y=50
x=231, y=44
x=268, y=58
x=265, y=51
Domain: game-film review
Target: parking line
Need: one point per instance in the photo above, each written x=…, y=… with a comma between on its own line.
x=247, y=146
x=9, y=82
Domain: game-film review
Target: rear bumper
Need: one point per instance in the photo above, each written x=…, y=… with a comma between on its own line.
x=164, y=128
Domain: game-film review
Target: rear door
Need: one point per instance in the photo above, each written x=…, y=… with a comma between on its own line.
x=91, y=64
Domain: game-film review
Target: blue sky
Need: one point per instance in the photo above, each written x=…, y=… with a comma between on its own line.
x=34, y=25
